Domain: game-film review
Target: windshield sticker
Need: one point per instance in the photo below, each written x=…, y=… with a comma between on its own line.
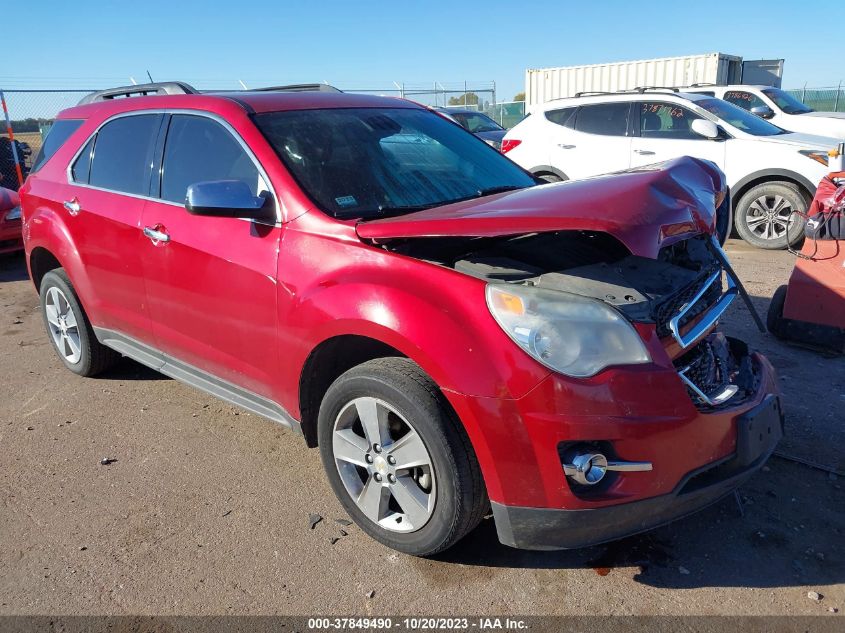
x=346, y=201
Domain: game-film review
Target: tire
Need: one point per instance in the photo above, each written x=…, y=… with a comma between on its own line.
x=547, y=177
x=774, y=198
x=774, y=317
x=69, y=329
x=420, y=510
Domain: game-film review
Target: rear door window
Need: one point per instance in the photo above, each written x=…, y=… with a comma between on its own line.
x=199, y=149
x=606, y=119
x=666, y=121
x=59, y=132
x=123, y=154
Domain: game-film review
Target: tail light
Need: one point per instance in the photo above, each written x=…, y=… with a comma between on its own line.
x=508, y=144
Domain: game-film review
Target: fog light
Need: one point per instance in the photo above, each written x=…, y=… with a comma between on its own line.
x=589, y=469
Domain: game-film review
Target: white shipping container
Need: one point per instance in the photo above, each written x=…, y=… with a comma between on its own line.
x=545, y=84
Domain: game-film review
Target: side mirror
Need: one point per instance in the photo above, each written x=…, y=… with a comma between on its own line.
x=705, y=128
x=764, y=112
x=228, y=199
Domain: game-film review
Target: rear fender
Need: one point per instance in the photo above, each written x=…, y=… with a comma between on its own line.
x=44, y=228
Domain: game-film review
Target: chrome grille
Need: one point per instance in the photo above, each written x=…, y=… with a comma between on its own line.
x=667, y=309
x=705, y=372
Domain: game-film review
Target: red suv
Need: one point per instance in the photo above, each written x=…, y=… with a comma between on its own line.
x=450, y=333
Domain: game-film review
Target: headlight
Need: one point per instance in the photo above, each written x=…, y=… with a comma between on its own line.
x=816, y=155
x=568, y=333
x=14, y=214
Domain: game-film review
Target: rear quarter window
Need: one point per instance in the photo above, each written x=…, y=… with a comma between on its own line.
x=564, y=117
x=60, y=132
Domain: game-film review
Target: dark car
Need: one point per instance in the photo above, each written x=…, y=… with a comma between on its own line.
x=478, y=123
x=8, y=171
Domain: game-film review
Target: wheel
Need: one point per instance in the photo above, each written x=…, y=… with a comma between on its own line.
x=546, y=177
x=774, y=317
x=398, y=459
x=767, y=215
x=69, y=329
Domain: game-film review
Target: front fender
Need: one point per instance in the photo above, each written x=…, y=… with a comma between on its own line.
x=434, y=315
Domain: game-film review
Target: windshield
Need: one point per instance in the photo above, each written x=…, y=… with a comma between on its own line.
x=739, y=118
x=476, y=122
x=370, y=162
x=786, y=101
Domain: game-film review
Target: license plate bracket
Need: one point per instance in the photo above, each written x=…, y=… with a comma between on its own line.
x=759, y=430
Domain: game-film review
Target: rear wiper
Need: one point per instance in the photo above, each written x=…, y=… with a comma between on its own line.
x=489, y=191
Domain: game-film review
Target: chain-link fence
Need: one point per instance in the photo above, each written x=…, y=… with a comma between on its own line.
x=31, y=113
x=822, y=99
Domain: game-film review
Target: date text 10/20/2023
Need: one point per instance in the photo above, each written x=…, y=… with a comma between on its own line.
x=417, y=624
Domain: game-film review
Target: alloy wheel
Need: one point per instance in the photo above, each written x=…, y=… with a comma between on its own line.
x=384, y=465
x=63, y=325
x=769, y=217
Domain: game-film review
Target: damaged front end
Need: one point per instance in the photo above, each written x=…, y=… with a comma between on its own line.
x=616, y=285
x=544, y=284
x=681, y=295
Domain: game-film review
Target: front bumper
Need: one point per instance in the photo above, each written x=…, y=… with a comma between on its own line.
x=638, y=413
x=547, y=528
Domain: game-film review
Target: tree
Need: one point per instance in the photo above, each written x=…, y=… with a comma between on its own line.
x=27, y=125
x=469, y=98
x=519, y=96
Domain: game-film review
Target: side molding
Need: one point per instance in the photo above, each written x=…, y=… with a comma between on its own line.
x=195, y=377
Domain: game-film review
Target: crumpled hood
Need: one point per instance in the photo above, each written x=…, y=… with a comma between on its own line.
x=644, y=208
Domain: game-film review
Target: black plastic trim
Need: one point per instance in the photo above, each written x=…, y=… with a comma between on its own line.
x=548, y=168
x=768, y=173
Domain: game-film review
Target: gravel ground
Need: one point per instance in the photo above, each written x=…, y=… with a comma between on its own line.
x=206, y=508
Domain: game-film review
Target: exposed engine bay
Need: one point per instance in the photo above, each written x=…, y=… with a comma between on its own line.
x=685, y=279
x=588, y=264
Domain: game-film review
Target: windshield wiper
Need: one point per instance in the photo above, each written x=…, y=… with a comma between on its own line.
x=386, y=211
x=489, y=191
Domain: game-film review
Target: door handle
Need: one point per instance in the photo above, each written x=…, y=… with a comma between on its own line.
x=644, y=152
x=155, y=235
x=72, y=206
x=565, y=146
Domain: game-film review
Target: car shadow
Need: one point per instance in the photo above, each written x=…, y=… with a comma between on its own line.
x=128, y=369
x=780, y=530
x=13, y=267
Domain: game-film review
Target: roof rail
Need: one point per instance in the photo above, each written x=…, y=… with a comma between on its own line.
x=642, y=89
x=140, y=90
x=701, y=85
x=299, y=88
x=589, y=93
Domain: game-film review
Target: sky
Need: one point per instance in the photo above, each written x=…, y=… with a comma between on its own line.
x=360, y=44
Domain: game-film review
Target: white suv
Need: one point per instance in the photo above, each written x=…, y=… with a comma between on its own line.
x=772, y=174
x=779, y=107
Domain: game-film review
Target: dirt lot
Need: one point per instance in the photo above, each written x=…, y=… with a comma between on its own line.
x=206, y=509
